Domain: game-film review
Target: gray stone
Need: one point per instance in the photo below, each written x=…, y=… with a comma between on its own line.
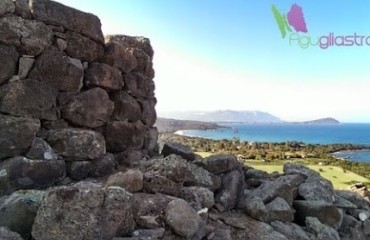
x=317, y=189
x=8, y=62
x=23, y=173
x=325, y=212
x=296, y=168
x=25, y=66
x=343, y=203
x=6, y=234
x=72, y=19
x=149, y=209
x=81, y=47
x=61, y=44
x=280, y=210
x=182, y=218
x=103, y=166
x=219, y=163
x=77, y=144
x=280, y=187
x=120, y=57
x=139, y=85
x=151, y=140
x=16, y=134
x=255, y=208
x=132, y=42
x=104, y=76
x=354, y=198
x=126, y=108
x=79, y=170
x=321, y=231
x=41, y=150
x=198, y=197
x=18, y=211
x=149, y=234
x=290, y=230
x=84, y=211
x=55, y=68
x=231, y=189
x=131, y=180
x=198, y=176
x=121, y=135
x=256, y=174
x=178, y=149
x=6, y=6
x=144, y=63
x=29, y=36
x=149, y=115
x=89, y=109
x=28, y=98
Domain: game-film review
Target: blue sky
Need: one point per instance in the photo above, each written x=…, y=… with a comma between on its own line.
x=218, y=54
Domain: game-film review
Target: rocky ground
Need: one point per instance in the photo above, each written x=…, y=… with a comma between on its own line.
x=179, y=195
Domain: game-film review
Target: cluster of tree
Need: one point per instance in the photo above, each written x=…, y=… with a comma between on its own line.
x=262, y=150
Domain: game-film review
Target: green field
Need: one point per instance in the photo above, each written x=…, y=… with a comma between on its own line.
x=340, y=178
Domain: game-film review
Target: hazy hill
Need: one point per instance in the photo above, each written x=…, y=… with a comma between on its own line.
x=323, y=121
x=224, y=116
x=165, y=125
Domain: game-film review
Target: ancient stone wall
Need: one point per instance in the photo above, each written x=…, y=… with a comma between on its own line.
x=73, y=103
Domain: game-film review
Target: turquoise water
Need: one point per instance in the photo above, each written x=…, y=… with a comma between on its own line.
x=313, y=134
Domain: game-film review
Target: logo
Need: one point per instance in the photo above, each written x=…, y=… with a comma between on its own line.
x=295, y=19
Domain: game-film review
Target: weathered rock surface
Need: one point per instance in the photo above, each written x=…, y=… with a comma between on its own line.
x=41, y=150
x=8, y=61
x=83, y=48
x=6, y=234
x=79, y=170
x=28, y=36
x=198, y=197
x=132, y=42
x=77, y=144
x=25, y=66
x=126, y=108
x=54, y=13
x=28, y=98
x=178, y=149
x=219, y=163
x=290, y=231
x=321, y=231
x=121, y=135
x=182, y=218
x=317, y=189
x=231, y=189
x=16, y=134
x=104, y=76
x=103, y=166
x=119, y=57
x=89, y=109
x=6, y=6
x=55, y=68
x=84, y=211
x=23, y=173
x=324, y=211
x=280, y=210
x=255, y=208
x=18, y=211
x=198, y=176
x=131, y=180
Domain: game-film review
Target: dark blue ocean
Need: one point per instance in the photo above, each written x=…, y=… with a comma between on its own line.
x=313, y=134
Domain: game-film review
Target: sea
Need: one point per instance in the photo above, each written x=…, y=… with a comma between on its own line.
x=358, y=134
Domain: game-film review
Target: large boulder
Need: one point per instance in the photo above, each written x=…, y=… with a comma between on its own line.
x=18, y=211
x=23, y=173
x=89, y=109
x=296, y=168
x=79, y=170
x=29, y=98
x=317, y=189
x=104, y=76
x=198, y=197
x=151, y=140
x=55, y=68
x=103, y=166
x=131, y=180
x=132, y=42
x=255, y=208
x=126, y=108
x=149, y=115
x=120, y=57
x=29, y=36
x=354, y=198
x=84, y=211
x=231, y=188
x=179, y=149
x=6, y=6
x=25, y=66
x=219, y=163
x=121, y=135
x=138, y=84
x=280, y=187
x=8, y=62
x=321, y=231
x=77, y=144
x=290, y=230
x=325, y=212
x=16, y=134
x=182, y=218
x=83, y=48
x=198, y=176
x=54, y=13
x=41, y=150
x=149, y=209
x=22, y=8
x=280, y=210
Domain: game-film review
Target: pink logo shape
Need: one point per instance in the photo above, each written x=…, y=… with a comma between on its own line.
x=296, y=18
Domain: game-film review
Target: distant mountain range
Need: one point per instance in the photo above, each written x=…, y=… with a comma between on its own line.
x=228, y=116
x=224, y=116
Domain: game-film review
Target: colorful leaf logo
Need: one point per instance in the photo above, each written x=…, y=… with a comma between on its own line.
x=296, y=18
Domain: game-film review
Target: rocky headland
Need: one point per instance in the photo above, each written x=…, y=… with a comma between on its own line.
x=79, y=157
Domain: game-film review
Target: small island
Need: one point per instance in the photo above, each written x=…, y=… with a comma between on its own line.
x=328, y=120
